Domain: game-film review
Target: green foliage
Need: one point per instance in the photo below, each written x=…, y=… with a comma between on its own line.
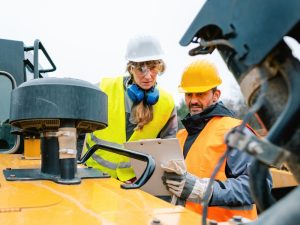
x=182, y=111
x=239, y=107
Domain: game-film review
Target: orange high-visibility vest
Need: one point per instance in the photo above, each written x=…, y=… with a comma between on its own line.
x=202, y=158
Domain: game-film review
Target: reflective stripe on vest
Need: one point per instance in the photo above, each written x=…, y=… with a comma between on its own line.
x=104, y=162
x=116, y=130
x=203, y=157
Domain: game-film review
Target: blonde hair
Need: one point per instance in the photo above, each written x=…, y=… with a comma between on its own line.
x=142, y=113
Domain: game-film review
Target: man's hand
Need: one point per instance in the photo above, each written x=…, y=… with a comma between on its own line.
x=185, y=186
x=181, y=183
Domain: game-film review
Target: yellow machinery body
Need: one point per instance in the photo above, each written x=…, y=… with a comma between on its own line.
x=32, y=148
x=93, y=201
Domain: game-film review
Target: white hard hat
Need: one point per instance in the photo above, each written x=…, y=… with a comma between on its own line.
x=143, y=48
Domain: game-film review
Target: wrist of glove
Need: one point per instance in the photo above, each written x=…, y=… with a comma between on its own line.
x=186, y=186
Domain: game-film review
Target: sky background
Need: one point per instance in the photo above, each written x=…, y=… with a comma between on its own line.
x=87, y=39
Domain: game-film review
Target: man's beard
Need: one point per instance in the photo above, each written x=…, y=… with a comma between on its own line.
x=199, y=110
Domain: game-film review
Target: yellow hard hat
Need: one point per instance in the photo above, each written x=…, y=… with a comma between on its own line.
x=199, y=76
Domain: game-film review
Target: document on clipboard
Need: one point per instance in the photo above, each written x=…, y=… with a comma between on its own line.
x=161, y=150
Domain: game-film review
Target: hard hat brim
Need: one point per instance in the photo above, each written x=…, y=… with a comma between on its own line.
x=195, y=89
x=145, y=59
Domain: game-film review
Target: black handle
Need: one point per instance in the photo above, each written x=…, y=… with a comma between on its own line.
x=150, y=167
x=38, y=45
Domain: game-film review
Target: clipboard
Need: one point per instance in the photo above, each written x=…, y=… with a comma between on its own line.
x=161, y=150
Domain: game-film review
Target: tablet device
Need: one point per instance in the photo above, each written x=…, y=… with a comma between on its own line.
x=161, y=150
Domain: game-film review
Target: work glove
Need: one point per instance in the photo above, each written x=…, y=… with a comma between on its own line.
x=186, y=186
x=181, y=183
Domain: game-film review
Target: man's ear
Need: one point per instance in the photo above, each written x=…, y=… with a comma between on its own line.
x=216, y=95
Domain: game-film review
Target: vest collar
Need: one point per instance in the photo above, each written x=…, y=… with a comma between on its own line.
x=195, y=124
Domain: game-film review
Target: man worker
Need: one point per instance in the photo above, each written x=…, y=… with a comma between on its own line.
x=202, y=142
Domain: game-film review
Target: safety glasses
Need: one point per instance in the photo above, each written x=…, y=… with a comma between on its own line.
x=146, y=68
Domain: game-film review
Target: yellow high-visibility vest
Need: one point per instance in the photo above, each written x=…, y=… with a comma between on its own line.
x=118, y=166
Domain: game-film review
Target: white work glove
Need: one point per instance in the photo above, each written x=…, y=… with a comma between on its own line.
x=186, y=186
x=181, y=183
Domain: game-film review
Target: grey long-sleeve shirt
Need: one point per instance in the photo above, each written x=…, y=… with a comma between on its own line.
x=234, y=191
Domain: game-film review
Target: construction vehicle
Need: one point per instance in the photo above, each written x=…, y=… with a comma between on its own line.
x=249, y=35
x=43, y=181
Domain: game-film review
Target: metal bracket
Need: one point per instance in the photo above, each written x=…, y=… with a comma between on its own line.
x=262, y=149
x=36, y=174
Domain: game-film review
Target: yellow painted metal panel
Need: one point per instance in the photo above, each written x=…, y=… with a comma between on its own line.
x=32, y=148
x=94, y=201
x=282, y=178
